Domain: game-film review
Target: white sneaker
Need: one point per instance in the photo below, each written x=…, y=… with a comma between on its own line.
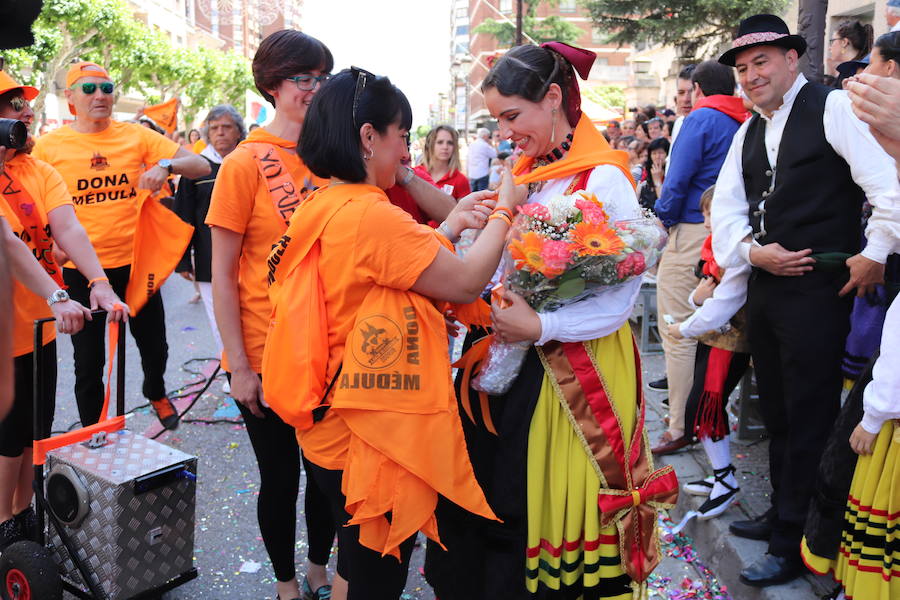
x=702, y=487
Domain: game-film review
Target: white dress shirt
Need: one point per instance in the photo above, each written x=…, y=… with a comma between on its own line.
x=881, y=399
x=606, y=311
x=870, y=166
x=481, y=154
x=896, y=27
x=728, y=298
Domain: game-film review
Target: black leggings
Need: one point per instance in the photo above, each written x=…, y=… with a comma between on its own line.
x=17, y=429
x=148, y=328
x=278, y=459
x=370, y=575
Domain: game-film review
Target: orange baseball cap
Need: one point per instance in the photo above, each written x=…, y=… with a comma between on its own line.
x=7, y=83
x=81, y=69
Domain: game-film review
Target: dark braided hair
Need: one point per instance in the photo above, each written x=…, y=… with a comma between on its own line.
x=528, y=71
x=888, y=46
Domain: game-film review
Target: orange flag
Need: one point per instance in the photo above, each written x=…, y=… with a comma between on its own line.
x=165, y=115
x=160, y=239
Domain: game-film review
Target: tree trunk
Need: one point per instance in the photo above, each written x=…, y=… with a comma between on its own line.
x=811, y=25
x=519, y=9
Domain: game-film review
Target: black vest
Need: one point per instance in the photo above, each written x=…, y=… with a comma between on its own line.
x=815, y=203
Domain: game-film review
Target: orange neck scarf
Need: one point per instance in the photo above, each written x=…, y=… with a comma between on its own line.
x=589, y=149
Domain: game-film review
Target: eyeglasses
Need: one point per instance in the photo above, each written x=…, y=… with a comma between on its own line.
x=89, y=88
x=306, y=83
x=362, y=78
x=835, y=39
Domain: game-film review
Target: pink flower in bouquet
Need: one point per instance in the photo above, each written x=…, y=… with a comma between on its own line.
x=535, y=210
x=633, y=265
x=591, y=209
x=556, y=255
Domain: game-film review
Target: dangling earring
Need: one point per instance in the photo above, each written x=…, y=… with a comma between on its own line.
x=553, y=131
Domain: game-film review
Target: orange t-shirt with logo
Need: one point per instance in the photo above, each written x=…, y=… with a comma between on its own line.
x=48, y=190
x=101, y=171
x=368, y=242
x=241, y=203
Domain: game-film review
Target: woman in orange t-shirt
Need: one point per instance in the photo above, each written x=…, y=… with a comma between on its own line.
x=440, y=161
x=356, y=135
x=246, y=220
x=35, y=202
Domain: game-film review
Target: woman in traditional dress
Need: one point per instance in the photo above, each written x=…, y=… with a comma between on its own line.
x=569, y=432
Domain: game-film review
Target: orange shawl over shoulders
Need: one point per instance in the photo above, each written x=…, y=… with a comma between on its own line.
x=589, y=149
x=394, y=392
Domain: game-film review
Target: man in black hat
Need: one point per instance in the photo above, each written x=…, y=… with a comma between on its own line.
x=788, y=201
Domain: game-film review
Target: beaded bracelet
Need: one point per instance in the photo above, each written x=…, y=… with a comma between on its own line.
x=97, y=280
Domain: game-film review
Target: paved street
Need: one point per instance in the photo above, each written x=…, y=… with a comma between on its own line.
x=229, y=552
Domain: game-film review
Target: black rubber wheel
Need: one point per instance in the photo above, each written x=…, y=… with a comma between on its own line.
x=28, y=572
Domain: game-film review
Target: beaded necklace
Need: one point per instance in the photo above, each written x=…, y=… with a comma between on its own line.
x=551, y=157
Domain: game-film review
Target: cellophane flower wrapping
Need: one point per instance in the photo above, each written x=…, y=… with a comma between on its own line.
x=563, y=252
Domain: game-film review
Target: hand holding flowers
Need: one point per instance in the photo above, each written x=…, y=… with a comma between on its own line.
x=560, y=253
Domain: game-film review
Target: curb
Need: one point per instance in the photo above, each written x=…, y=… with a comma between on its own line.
x=725, y=554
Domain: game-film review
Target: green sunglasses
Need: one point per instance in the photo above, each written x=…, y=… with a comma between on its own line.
x=90, y=88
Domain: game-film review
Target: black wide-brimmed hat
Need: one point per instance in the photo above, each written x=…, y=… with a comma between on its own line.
x=762, y=30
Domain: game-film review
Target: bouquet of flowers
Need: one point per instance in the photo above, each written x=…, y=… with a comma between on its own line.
x=564, y=252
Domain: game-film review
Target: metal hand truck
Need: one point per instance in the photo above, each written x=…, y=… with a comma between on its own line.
x=103, y=530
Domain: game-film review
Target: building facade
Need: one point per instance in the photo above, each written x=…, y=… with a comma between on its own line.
x=611, y=67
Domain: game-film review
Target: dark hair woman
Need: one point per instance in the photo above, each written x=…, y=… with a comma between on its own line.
x=249, y=210
x=852, y=40
x=540, y=471
x=440, y=161
x=363, y=280
x=654, y=173
x=885, y=60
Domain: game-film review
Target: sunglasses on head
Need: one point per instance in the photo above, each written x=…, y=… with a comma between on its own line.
x=89, y=88
x=362, y=78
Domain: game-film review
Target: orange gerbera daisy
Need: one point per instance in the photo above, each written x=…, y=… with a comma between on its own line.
x=527, y=252
x=592, y=239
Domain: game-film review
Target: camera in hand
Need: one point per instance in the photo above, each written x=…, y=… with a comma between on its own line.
x=13, y=133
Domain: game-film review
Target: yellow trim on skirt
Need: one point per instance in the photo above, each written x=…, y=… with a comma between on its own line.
x=867, y=571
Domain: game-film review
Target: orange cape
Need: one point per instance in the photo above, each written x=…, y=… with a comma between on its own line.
x=406, y=443
x=165, y=115
x=589, y=149
x=160, y=239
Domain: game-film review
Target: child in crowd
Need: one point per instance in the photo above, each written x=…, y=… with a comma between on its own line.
x=497, y=166
x=722, y=358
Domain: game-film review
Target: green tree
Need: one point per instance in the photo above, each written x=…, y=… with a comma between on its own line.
x=610, y=96
x=65, y=31
x=548, y=29
x=695, y=26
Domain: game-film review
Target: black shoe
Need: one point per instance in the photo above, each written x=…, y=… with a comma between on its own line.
x=665, y=401
x=759, y=528
x=660, y=385
x=771, y=570
x=27, y=521
x=713, y=507
x=10, y=533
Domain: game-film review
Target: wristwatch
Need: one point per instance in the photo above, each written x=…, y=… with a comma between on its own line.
x=57, y=296
x=166, y=164
x=408, y=177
